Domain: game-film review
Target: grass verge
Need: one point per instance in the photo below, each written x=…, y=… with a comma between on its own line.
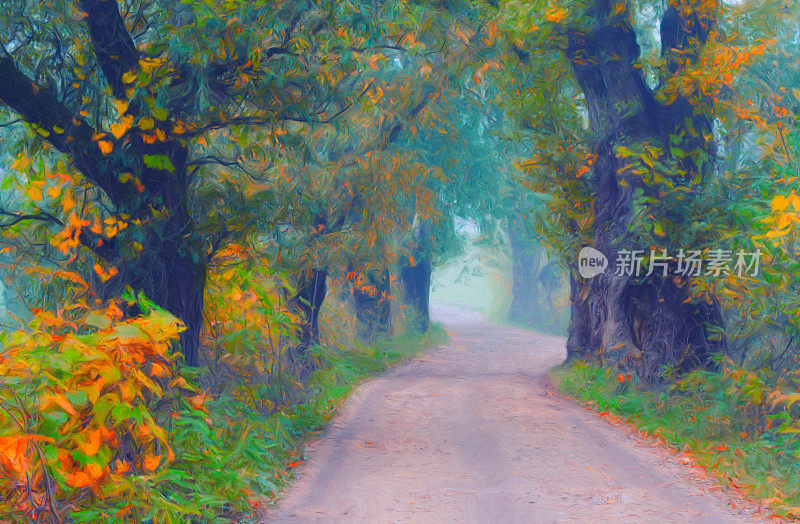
x=722, y=420
x=234, y=459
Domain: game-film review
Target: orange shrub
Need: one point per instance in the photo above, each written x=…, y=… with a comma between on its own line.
x=77, y=393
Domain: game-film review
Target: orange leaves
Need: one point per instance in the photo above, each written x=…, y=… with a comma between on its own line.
x=718, y=65
x=375, y=93
x=198, y=402
x=150, y=462
x=782, y=221
x=105, y=146
x=87, y=391
x=88, y=476
x=35, y=190
x=16, y=453
x=91, y=445
x=118, y=129
x=158, y=370
x=374, y=61
x=105, y=274
x=556, y=15
x=491, y=33
x=67, y=202
x=58, y=400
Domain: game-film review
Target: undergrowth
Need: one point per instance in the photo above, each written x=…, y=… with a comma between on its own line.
x=237, y=457
x=733, y=423
x=99, y=423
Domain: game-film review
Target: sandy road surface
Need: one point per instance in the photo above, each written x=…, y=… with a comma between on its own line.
x=468, y=433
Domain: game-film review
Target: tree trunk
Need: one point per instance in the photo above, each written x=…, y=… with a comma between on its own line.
x=416, y=281
x=525, y=286
x=646, y=322
x=181, y=293
x=372, y=304
x=415, y=278
x=309, y=300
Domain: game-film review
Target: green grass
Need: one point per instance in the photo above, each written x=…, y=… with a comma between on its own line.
x=723, y=420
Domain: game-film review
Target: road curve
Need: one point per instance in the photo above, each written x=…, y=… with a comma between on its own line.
x=469, y=433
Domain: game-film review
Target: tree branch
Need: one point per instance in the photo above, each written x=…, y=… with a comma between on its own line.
x=111, y=41
x=19, y=217
x=68, y=133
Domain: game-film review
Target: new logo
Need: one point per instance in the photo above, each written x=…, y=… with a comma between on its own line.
x=591, y=262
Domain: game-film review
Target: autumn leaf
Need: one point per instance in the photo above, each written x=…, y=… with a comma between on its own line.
x=105, y=146
x=92, y=444
x=59, y=400
x=53, y=192
x=150, y=462
x=556, y=15
x=120, y=128
x=146, y=123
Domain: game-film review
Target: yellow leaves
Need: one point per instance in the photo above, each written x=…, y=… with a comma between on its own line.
x=160, y=113
x=781, y=203
x=121, y=107
x=98, y=384
x=21, y=163
x=146, y=123
x=783, y=221
x=35, y=190
x=148, y=65
x=120, y=128
x=129, y=77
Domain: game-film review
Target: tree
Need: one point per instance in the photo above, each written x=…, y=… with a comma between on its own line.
x=149, y=111
x=624, y=149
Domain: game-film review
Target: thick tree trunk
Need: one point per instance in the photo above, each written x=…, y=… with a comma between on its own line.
x=645, y=322
x=177, y=284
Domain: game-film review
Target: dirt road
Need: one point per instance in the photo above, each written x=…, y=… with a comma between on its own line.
x=468, y=433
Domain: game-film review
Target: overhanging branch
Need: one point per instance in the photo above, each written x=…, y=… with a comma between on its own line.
x=67, y=132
